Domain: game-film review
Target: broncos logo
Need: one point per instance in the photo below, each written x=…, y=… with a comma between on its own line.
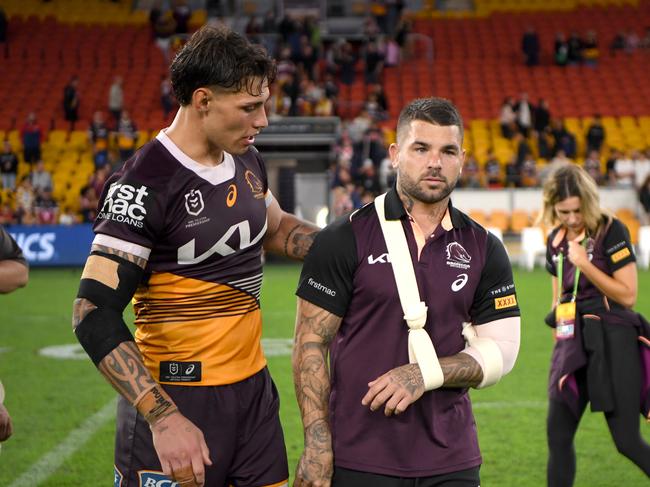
x=457, y=253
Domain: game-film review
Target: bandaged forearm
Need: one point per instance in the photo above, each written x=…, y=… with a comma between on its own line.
x=421, y=349
x=154, y=404
x=494, y=346
x=108, y=282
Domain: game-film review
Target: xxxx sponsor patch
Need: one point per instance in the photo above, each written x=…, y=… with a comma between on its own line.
x=505, y=302
x=620, y=255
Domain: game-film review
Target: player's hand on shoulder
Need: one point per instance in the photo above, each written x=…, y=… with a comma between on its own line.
x=397, y=389
x=5, y=424
x=181, y=449
x=315, y=468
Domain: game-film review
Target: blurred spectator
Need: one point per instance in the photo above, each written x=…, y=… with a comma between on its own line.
x=529, y=176
x=164, y=28
x=25, y=201
x=545, y=143
x=7, y=215
x=644, y=199
x=45, y=208
x=41, y=179
x=508, y=117
x=359, y=125
x=98, y=138
x=404, y=28
x=341, y=201
x=641, y=168
x=166, y=95
x=32, y=138
x=346, y=60
x=592, y=166
x=392, y=52
x=513, y=174
x=522, y=148
x=624, y=170
x=99, y=177
x=374, y=108
x=561, y=50
x=368, y=154
x=374, y=63
x=574, y=55
x=618, y=43
x=88, y=204
x=590, y=51
x=595, y=134
x=610, y=171
x=71, y=101
x=493, y=172
x=530, y=47
x=307, y=58
x=330, y=86
x=127, y=136
x=8, y=166
x=155, y=12
x=632, y=41
x=542, y=116
x=116, y=99
x=524, y=111
x=565, y=141
x=182, y=13
x=324, y=107
x=380, y=13
x=471, y=175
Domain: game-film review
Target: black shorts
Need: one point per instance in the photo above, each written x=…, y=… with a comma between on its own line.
x=352, y=478
x=241, y=425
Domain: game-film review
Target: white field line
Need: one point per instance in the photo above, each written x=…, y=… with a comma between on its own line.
x=52, y=460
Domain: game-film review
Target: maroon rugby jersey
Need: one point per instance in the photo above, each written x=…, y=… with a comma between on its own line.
x=609, y=251
x=463, y=274
x=197, y=310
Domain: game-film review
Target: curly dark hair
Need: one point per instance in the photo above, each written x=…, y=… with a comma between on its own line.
x=218, y=56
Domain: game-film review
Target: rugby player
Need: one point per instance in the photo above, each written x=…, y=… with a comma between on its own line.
x=393, y=408
x=180, y=231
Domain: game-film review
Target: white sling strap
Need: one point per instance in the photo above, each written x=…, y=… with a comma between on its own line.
x=421, y=349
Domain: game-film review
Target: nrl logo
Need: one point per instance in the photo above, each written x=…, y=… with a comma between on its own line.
x=194, y=202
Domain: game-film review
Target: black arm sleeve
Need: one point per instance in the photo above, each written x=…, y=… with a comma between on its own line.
x=328, y=272
x=495, y=296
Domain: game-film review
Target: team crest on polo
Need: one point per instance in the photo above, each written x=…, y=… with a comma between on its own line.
x=194, y=202
x=457, y=256
x=255, y=184
x=155, y=479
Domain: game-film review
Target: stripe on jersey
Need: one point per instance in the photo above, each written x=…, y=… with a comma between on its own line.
x=252, y=285
x=123, y=245
x=169, y=298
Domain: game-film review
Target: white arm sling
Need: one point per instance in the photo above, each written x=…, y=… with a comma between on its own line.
x=421, y=350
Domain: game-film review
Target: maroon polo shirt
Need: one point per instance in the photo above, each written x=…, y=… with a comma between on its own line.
x=463, y=275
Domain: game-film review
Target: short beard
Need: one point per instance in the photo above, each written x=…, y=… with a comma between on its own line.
x=411, y=190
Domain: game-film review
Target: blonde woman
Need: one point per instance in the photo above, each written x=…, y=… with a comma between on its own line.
x=597, y=353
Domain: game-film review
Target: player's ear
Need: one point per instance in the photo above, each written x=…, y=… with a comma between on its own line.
x=201, y=99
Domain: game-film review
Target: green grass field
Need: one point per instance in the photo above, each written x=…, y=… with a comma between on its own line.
x=63, y=416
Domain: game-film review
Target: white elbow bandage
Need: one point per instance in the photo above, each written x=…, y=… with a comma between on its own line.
x=490, y=353
x=2, y=393
x=421, y=350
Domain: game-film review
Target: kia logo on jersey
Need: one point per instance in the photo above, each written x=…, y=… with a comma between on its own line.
x=194, y=202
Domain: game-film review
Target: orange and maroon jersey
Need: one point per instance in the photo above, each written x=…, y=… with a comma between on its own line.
x=197, y=310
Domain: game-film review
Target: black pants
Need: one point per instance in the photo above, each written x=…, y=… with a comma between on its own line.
x=623, y=421
x=352, y=478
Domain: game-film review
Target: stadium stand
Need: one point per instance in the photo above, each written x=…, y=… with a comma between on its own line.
x=473, y=58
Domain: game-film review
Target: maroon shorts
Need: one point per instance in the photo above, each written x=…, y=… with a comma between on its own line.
x=241, y=425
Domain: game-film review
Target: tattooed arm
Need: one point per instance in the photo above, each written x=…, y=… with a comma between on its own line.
x=179, y=444
x=287, y=234
x=315, y=329
x=400, y=387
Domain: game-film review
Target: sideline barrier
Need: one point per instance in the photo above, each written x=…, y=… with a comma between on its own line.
x=53, y=245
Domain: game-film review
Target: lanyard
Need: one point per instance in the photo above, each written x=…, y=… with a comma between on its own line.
x=560, y=267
